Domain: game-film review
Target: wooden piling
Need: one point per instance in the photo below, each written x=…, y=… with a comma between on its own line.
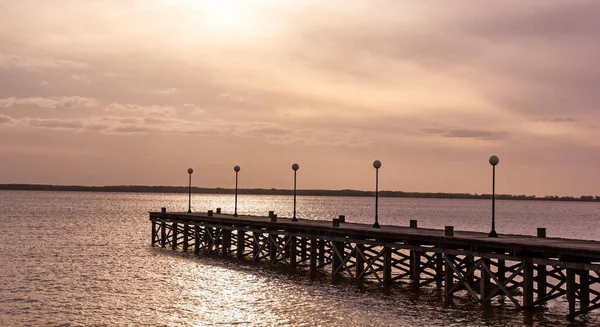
x=584, y=289
x=293, y=251
x=439, y=270
x=256, y=246
x=485, y=282
x=226, y=241
x=272, y=247
x=163, y=234
x=313, y=254
x=571, y=291
x=321, y=252
x=186, y=228
x=448, y=275
x=528, y=286
x=154, y=231
x=415, y=267
x=387, y=267
x=501, y=273
x=303, y=248
x=241, y=243
x=360, y=262
x=197, y=239
x=174, y=236
x=337, y=250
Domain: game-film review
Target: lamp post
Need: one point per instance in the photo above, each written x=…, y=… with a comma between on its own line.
x=376, y=165
x=494, y=160
x=190, y=171
x=295, y=167
x=237, y=170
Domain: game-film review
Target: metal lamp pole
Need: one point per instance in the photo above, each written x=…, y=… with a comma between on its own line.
x=494, y=160
x=376, y=165
x=190, y=171
x=237, y=170
x=295, y=167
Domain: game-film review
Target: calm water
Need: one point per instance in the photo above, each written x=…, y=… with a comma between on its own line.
x=84, y=259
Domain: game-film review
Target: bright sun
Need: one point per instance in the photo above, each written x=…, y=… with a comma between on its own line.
x=224, y=14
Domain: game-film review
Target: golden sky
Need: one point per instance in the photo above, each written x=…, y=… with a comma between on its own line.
x=136, y=91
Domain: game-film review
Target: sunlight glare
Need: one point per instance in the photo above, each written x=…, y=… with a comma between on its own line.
x=221, y=14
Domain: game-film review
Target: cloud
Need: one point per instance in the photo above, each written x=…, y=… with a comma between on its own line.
x=232, y=97
x=8, y=102
x=262, y=129
x=467, y=133
x=196, y=110
x=49, y=102
x=38, y=63
x=5, y=119
x=167, y=111
x=556, y=120
x=167, y=91
x=68, y=124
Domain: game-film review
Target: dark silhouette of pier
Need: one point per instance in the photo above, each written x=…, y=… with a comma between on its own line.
x=527, y=270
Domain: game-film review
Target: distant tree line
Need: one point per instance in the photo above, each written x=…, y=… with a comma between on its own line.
x=273, y=191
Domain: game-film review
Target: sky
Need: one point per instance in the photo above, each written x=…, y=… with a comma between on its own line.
x=135, y=92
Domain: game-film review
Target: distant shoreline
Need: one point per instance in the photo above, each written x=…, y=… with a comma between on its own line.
x=273, y=191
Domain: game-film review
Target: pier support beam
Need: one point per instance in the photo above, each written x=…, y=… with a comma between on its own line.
x=196, y=239
x=186, y=229
x=571, y=291
x=272, y=248
x=293, y=251
x=439, y=270
x=303, y=248
x=321, y=252
x=241, y=243
x=163, y=234
x=415, y=268
x=584, y=289
x=387, y=267
x=528, y=286
x=360, y=262
x=226, y=241
x=154, y=232
x=542, y=282
x=448, y=275
x=313, y=254
x=174, y=236
x=337, y=251
x=256, y=246
x=485, y=284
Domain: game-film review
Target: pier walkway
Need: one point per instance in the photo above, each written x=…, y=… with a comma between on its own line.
x=526, y=270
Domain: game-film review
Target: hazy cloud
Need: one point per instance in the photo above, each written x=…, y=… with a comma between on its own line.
x=142, y=110
x=556, y=120
x=195, y=109
x=5, y=119
x=38, y=63
x=49, y=102
x=72, y=124
x=467, y=133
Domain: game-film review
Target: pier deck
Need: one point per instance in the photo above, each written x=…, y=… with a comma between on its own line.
x=527, y=270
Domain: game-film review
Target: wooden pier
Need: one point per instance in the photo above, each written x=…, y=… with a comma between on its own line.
x=526, y=270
